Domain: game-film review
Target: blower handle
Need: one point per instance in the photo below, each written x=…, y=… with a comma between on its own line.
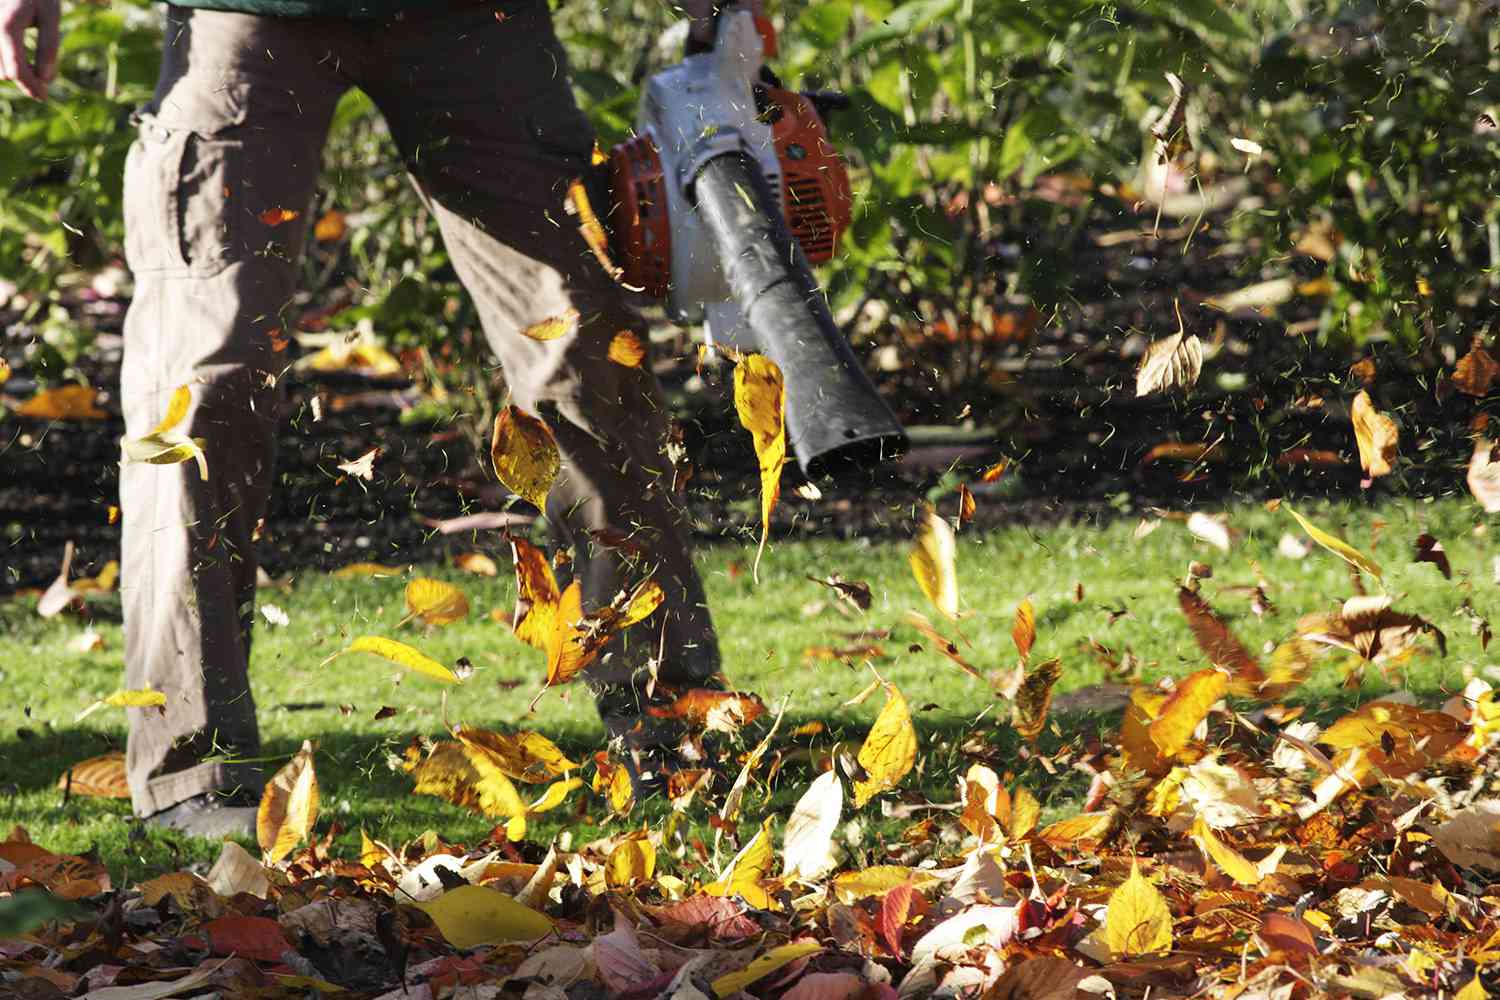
x=836, y=422
x=763, y=25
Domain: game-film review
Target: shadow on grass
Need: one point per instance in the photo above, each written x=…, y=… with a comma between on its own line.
x=362, y=788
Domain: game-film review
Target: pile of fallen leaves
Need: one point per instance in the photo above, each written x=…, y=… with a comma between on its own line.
x=1227, y=845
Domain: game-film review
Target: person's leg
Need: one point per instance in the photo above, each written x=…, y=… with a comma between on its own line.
x=482, y=109
x=235, y=131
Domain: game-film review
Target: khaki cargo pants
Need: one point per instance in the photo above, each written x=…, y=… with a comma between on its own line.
x=478, y=100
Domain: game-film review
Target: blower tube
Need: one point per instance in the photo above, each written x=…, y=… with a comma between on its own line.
x=835, y=421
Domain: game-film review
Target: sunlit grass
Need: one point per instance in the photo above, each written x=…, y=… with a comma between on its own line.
x=1087, y=581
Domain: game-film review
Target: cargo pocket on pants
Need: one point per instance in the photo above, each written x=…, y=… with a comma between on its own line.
x=180, y=200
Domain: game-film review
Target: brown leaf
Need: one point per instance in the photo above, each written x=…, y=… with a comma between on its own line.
x=856, y=593
x=944, y=645
x=895, y=908
x=1430, y=550
x=1476, y=371
x=525, y=455
x=1220, y=645
x=1376, y=435
x=966, y=505
x=1043, y=978
x=1034, y=699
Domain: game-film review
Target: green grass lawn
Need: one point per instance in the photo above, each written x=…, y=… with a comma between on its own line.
x=1128, y=601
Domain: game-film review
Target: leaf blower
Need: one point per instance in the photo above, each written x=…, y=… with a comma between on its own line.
x=721, y=203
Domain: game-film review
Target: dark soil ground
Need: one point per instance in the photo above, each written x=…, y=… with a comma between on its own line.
x=1059, y=402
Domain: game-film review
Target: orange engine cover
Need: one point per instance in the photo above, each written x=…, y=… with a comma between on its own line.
x=815, y=193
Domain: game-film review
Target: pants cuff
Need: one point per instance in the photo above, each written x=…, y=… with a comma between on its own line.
x=166, y=790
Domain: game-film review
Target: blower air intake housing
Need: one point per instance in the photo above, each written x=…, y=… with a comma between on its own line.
x=813, y=190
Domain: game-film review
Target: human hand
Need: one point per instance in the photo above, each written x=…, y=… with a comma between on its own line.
x=16, y=16
x=701, y=15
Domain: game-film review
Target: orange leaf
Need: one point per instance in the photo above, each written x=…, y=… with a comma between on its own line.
x=553, y=327
x=331, y=227
x=626, y=349
x=1184, y=708
x=1023, y=633
x=277, y=216
x=68, y=402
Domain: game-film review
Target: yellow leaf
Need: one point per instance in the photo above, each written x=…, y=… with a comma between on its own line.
x=1025, y=810
x=145, y=698
x=1337, y=545
x=633, y=860
x=101, y=777
x=554, y=327
x=449, y=772
x=760, y=401
x=401, y=655
x=626, y=349
x=371, y=854
x=1023, y=632
x=734, y=982
x=472, y=915
x=1034, y=699
x=1474, y=990
x=1138, y=921
x=933, y=561
x=556, y=794
x=747, y=871
x=529, y=757
x=890, y=750
x=1139, y=751
x=288, y=806
x=1184, y=708
x=536, y=594
x=66, y=402
x=477, y=563
x=177, y=408
x=361, y=356
x=167, y=448
x=620, y=790
x=101, y=584
x=565, y=649
x=851, y=887
x=1376, y=435
x=525, y=455
x=1232, y=862
x=359, y=569
x=435, y=601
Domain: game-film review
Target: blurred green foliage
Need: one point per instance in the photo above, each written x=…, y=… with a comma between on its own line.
x=1367, y=112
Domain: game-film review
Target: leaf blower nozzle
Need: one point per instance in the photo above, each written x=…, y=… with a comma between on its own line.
x=836, y=422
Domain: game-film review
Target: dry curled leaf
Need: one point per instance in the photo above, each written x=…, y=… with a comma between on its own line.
x=362, y=467
x=1223, y=649
x=1033, y=699
x=1170, y=363
x=1376, y=435
x=1476, y=371
x=288, y=806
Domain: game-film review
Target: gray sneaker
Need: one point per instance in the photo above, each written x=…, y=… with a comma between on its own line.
x=214, y=815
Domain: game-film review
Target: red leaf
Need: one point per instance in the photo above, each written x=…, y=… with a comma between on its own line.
x=894, y=911
x=257, y=938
